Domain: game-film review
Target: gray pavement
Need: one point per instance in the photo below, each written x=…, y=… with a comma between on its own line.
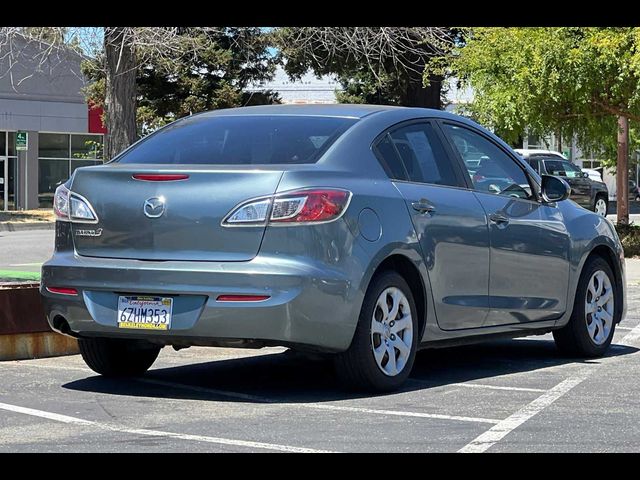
x=25, y=251
x=512, y=395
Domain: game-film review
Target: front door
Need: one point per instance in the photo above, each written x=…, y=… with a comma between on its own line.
x=529, y=242
x=449, y=220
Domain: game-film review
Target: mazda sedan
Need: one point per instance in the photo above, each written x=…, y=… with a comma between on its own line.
x=361, y=232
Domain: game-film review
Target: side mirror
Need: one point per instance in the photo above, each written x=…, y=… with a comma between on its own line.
x=585, y=175
x=554, y=189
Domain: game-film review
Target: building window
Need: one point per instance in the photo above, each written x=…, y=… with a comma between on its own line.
x=53, y=145
x=51, y=173
x=59, y=156
x=7, y=170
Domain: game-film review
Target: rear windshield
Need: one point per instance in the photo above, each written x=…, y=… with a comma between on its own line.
x=240, y=140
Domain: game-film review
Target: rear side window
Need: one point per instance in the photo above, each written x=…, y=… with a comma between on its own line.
x=240, y=140
x=415, y=153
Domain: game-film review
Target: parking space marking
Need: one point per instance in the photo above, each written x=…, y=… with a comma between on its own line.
x=42, y=414
x=157, y=433
x=496, y=433
x=498, y=387
x=317, y=406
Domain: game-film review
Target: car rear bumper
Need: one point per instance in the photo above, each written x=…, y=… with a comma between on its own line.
x=309, y=304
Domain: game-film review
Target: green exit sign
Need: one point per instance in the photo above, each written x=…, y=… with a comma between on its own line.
x=21, y=140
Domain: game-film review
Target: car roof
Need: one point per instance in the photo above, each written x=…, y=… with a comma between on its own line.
x=528, y=152
x=328, y=110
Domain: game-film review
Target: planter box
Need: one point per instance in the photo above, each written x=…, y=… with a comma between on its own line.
x=24, y=331
x=21, y=309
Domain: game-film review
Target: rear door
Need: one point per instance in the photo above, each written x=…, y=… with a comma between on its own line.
x=529, y=241
x=449, y=220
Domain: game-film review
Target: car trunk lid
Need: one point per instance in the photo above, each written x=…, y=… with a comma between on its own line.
x=188, y=229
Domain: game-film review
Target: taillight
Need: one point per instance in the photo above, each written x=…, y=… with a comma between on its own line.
x=71, y=207
x=317, y=205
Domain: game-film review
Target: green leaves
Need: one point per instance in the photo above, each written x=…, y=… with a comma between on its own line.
x=564, y=80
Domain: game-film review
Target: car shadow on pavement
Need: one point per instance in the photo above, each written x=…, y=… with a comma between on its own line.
x=293, y=378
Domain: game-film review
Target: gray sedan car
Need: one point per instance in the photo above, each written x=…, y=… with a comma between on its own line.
x=360, y=232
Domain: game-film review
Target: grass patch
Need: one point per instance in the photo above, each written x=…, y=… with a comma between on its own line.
x=630, y=239
x=14, y=275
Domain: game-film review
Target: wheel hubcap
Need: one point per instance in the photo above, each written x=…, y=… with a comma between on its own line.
x=599, y=305
x=391, y=331
x=601, y=207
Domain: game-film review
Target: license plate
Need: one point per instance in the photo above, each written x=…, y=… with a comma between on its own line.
x=148, y=313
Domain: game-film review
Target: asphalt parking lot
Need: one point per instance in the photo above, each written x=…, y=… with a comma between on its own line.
x=503, y=396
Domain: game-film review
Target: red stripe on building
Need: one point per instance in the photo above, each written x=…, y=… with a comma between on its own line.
x=95, y=120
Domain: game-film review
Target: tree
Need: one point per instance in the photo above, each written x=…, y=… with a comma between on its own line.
x=115, y=57
x=570, y=81
x=230, y=60
x=373, y=64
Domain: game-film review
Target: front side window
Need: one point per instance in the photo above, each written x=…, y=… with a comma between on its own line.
x=490, y=169
x=415, y=153
x=562, y=168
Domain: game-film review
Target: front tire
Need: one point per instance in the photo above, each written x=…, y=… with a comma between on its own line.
x=592, y=324
x=384, y=345
x=117, y=358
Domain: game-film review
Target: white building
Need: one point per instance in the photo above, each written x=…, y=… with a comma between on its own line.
x=309, y=89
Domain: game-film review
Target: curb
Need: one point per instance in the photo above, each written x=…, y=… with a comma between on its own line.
x=17, y=227
x=24, y=346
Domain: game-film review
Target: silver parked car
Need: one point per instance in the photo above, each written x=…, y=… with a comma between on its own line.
x=361, y=232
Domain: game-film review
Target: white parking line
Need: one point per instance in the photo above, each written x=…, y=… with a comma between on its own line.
x=317, y=406
x=157, y=433
x=498, y=387
x=506, y=426
x=496, y=433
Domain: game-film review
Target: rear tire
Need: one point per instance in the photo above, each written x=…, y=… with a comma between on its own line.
x=601, y=205
x=367, y=364
x=586, y=335
x=117, y=358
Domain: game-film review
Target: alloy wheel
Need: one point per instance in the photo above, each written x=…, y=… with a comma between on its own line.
x=391, y=331
x=599, y=307
x=601, y=207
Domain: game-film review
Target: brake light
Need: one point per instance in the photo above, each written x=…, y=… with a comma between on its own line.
x=317, y=205
x=63, y=291
x=159, y=177
x=69, y=206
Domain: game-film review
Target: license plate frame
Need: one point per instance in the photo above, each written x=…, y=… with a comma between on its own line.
x=145, y=312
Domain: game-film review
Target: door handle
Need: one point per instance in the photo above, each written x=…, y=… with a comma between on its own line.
x=499, y=218
x=423, y=206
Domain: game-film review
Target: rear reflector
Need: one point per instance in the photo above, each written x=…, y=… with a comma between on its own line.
x=159, y=177
x=62, y=290
x=242, y=298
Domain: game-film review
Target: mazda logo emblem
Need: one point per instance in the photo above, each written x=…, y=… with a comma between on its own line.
x=154, y=207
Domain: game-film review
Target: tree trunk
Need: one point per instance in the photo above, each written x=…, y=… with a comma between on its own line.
x=120, y=98
x=622, y=172
x=559, y=135
x=419, y=96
